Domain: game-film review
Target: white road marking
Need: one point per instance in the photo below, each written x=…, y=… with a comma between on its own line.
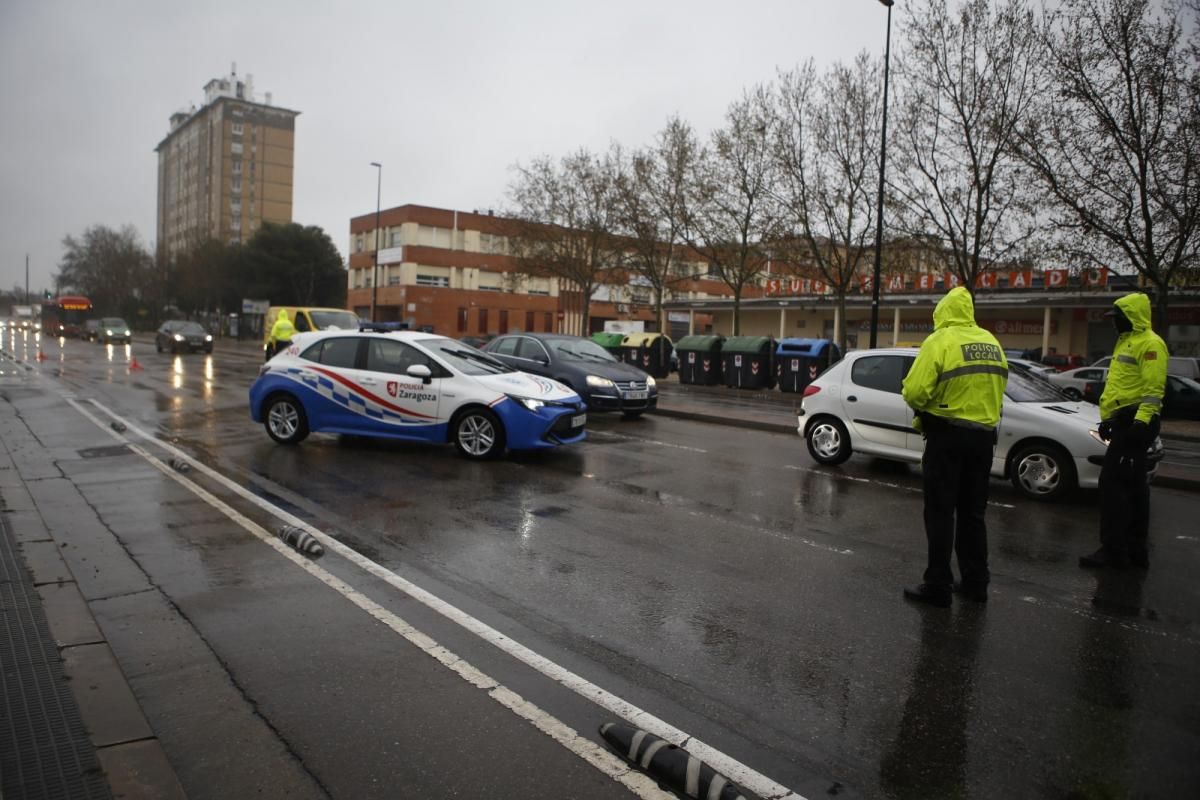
x=601, y=759
x=1108, y=619
x=609, y=434
x=886, y=484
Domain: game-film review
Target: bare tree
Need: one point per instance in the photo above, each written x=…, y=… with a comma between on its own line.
x=110, y=266
x=826, y=148
x=1116, y=137
x=562, y=223
x=731, y=217
x=652, y=189
x=966, y=83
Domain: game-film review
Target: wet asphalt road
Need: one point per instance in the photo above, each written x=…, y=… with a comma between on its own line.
x=715, y=577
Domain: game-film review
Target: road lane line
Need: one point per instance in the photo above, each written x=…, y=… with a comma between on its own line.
x=901, y=487
x=589, y=751
x=737, y=771
x=594, y=434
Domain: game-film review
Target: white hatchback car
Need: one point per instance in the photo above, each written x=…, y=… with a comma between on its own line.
x=1048, y=444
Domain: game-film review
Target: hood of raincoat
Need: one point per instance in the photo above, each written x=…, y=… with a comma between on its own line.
x=282, y=316
x=1136, y=308
x=956, y=308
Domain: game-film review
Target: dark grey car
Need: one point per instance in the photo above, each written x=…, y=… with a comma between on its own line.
x=181, y=335
x=604, y=383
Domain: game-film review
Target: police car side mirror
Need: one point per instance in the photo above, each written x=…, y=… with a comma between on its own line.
x=421, y=371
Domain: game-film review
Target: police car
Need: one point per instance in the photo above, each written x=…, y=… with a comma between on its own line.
x=415, y=386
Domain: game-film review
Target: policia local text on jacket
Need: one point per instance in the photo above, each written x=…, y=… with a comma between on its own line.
x=1129, y=414
x=956, y=388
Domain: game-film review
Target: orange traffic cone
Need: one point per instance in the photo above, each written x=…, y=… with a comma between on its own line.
x=41, y=356
x=133, y=364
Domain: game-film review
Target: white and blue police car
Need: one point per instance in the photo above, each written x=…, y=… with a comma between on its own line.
x=415, y=386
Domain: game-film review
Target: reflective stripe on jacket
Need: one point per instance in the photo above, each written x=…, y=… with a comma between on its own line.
x=1138, y=372
x=960, y=372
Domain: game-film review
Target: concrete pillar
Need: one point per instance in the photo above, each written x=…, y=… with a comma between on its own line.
x=691, y=322
x=782, y=322
x=895, y=326
x=1046, y=330
x=837, y=318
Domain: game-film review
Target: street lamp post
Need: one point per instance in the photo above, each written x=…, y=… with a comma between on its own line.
x=375, y=270
x=887, y=52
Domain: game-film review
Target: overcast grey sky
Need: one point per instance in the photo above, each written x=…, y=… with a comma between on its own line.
x=448, y=95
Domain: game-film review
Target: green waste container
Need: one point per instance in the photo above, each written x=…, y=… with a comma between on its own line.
x=648, y=351
x=700, y=359
x=609, y=341
x=747, y=362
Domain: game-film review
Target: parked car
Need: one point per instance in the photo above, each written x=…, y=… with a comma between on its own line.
x=1035, y=367
x=1047, y=446
x=1073, y=382
x=113, y=329
x=180, y=334
x=415, y=386
x=1181, y=397
x=90, y=331
x=603, y=382
x=1063, y=361
x=1184, y=367
x=478, y=342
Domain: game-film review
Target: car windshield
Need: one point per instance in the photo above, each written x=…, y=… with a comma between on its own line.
x=464, y=358
x=334, y=320
x=190, y=328
x=113, y=322
x=579, y=350
x=1025, y=386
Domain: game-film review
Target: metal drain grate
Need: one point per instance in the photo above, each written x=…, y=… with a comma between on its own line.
x=45, y=753
x=104, y=452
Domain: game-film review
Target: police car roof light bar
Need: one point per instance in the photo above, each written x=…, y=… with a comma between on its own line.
x=382, y=327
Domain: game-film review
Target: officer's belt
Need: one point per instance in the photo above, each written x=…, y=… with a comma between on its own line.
x=930, y=421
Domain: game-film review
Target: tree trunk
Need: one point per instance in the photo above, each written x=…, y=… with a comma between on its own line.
x=839, y=333
x=737, y=312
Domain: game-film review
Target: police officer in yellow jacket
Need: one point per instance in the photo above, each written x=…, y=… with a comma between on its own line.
x=281, y=334
x=956, y=388
x=1129, y=412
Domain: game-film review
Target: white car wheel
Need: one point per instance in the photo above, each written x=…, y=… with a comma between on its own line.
x=828, y=441
x=1042, y=471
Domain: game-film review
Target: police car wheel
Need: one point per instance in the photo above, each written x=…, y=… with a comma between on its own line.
x=285, y=420
x=1042, y=471
x=478, y=434
x=828, y=441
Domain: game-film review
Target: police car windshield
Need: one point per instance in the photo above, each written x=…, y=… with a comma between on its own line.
x=1029, y=387
x=464, y=358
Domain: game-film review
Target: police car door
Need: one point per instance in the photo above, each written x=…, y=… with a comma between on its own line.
x=334, y=361
x=403, y=405
x=872, y=402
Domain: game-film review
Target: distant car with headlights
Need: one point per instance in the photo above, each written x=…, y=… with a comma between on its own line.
x=415, y=386
x=180, y=335
x=113, y=329
x=1047, y=444
x=604, y=383
x=90, y=331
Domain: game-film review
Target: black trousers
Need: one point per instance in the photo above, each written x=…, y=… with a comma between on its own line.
x=1125, y=494
x=956, y=470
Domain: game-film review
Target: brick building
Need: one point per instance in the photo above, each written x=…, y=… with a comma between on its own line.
x=225, y=168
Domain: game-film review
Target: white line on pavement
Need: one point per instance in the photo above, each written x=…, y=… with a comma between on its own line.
x=901, y=487
x=636, y=782
x=593, y=434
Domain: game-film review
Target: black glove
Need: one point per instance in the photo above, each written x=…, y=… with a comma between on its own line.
x=1137, y=438
x=1106, y=430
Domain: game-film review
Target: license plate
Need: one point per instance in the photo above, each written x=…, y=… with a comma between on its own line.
x=637, y=395
x=578, y=421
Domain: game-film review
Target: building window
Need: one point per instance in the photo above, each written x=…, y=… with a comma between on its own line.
x=237, y=167
x=433, y=280
x=540, y=292
x=462, y=320
x=394, y=238
x=358, y=243
x=237, y=129
x=237, y=185
x=503, y=320
x=236, y=148
x=529, y=320
x=483, y=320
x=491, y=289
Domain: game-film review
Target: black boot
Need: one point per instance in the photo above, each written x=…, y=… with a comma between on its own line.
x=926, y=593
x=975, y=592
x=1101, y=559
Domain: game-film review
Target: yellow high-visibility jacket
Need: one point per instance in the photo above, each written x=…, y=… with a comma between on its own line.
x=283, y=330
x=961, y=372
x=1138, y=372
